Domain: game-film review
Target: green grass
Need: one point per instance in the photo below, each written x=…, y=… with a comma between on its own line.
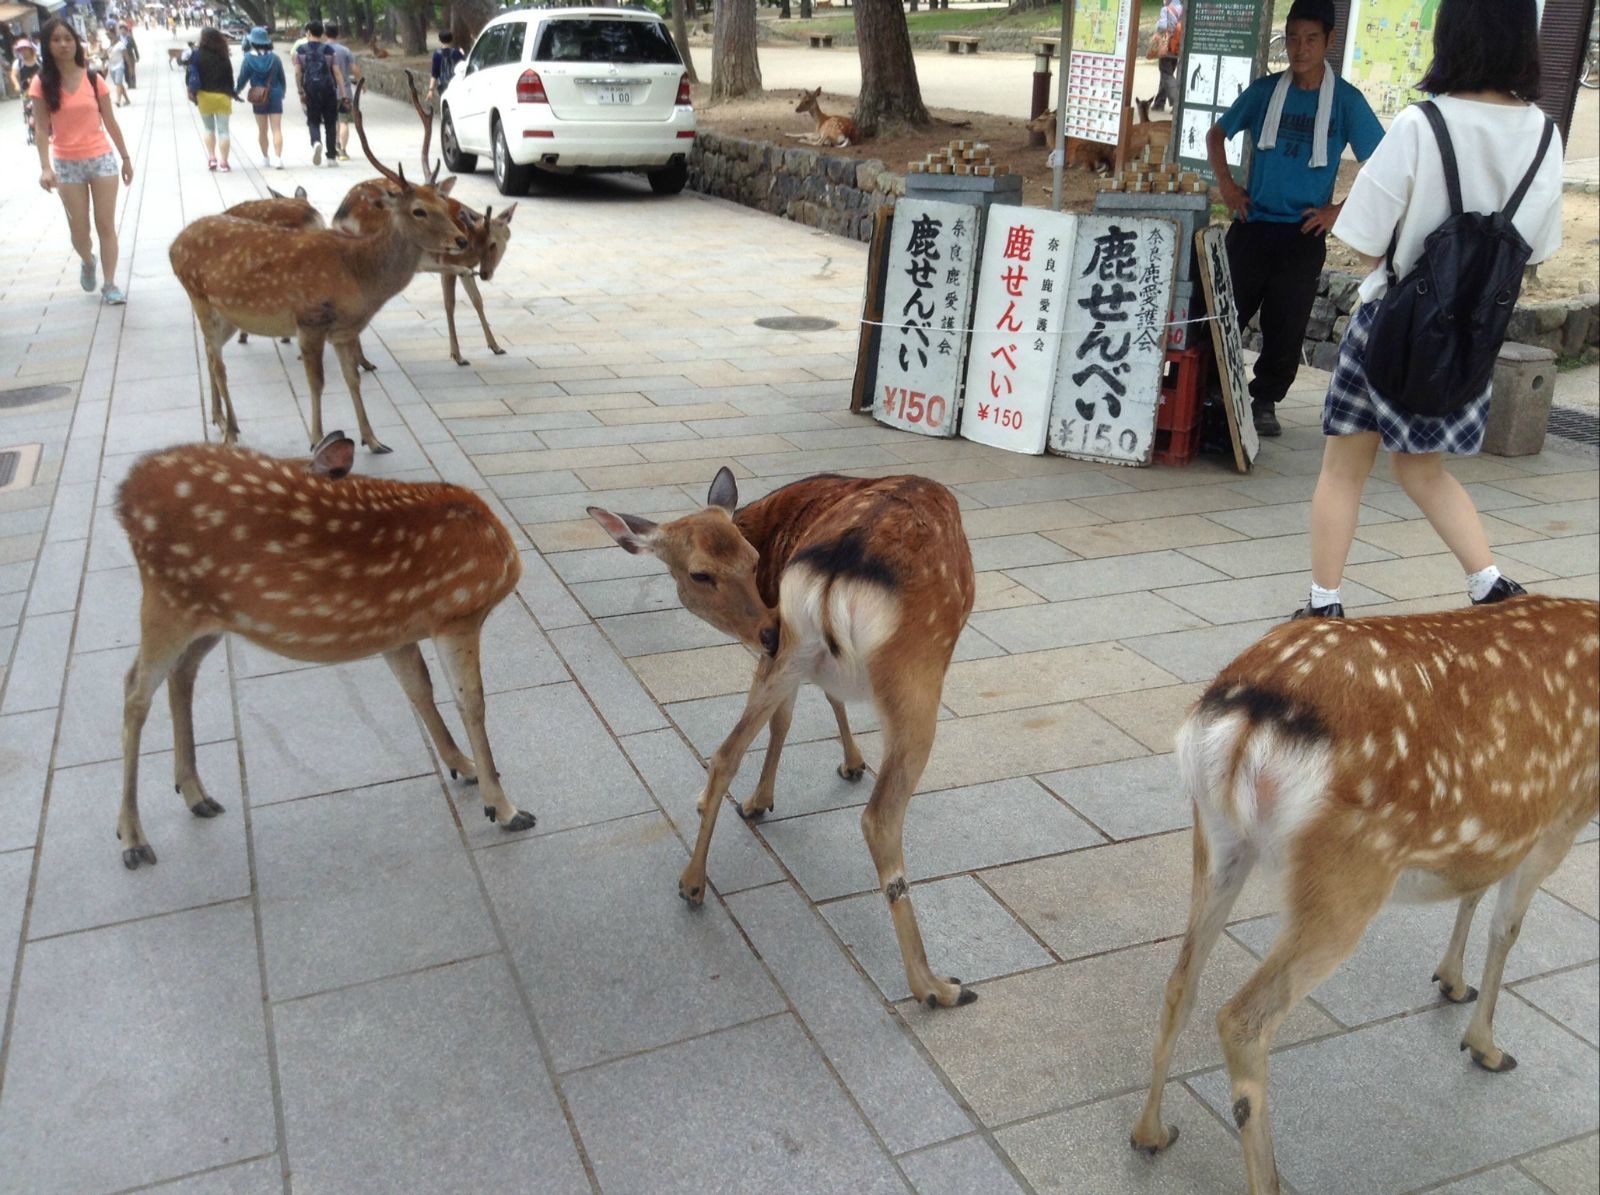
x=955, y=20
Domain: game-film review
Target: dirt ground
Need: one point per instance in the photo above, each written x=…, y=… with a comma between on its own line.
x=1575, y=269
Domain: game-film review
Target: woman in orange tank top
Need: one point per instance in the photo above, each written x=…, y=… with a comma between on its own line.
x=75, y=159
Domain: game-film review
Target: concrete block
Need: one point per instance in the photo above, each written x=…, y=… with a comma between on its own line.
x=1519, y=406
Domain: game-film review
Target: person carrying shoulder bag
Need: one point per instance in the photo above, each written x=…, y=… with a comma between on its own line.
x=1410, y=375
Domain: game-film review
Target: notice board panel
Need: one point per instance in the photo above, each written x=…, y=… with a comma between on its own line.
x=1221, y=57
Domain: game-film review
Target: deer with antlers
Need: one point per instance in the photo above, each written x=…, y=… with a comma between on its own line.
x=836, y=131
x=487, y=236
x=323, y=285
x=314, y=565
x=860, y=586
x=1422, y=757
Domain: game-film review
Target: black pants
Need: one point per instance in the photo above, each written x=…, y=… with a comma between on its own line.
x=1275, y=268
x=1167, y=92
x=322, y=114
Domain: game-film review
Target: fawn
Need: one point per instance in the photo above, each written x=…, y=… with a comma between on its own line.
x=293, y=212
x=1427, y=757
x=1088, y=155
x=837, y=131
x=311, y=564
x=858, y=585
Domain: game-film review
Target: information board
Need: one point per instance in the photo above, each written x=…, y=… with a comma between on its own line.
x=1221, y=50
x=1022, y=291
x=1387, y=50
x=1098, y=73
x=1108, y=372
x=1217, y=280
x=927, y=303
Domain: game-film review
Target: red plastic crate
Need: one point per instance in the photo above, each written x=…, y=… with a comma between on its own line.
x=1183, y=379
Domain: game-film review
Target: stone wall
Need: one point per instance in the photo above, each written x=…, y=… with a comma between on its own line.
x=389, y=79
x=808, y=186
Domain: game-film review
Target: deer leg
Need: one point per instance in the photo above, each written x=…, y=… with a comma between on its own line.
x=361, y=358
x=215, y=331
x=761, y=801
x=853, y=767
x=448, y=283
x=460, y=650
x=1448, y=974
x=162, y=640
x=312, y=341
x=411, y=670
x=471, y=283
x=180, y=696
x=348, y=351
x=1217, y=882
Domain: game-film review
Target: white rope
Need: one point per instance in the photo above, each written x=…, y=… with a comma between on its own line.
x=1072, y=331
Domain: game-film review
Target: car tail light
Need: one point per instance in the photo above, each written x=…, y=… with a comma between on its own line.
x=530, y=89
x=684, y=100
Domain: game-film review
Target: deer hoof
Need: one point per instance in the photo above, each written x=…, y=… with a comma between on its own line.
x=206, y=807
x=523, y=821
x=751, y=815
x=498, y=351
x=461, y=361
x=377, y=447
x=1449, y=992
x=135, y=855
x=694, y=897
x=1506, y=1063
x=1151, y=1150
x=852, y=774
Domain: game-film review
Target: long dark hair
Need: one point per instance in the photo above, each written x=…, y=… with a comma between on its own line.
x=1485, y=45
x=49, y=72
x=212, y=42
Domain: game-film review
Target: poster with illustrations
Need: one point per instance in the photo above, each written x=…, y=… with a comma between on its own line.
x=1388, y=48
x=1098, y=77
x=1200, y=80
x=927, y=304
x=1222, y=41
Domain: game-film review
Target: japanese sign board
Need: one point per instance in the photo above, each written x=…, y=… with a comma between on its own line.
x=1217, y=281
x=1108, y=375
x=1222, y=47
x=1099, y=73
x=926, y=305
x=1022, y=291
x=1388, y=48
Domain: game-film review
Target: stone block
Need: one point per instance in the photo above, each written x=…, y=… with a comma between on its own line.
x=1325, y=356
x=1342, y=290
x=1323, y=312
x=1579, y=324
x=841, y=170
x=1519, y=406
x=1339, y=326
x=867, y=173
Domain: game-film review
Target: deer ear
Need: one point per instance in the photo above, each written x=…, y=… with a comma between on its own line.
x=448, y=185
x=334, y=456
x=635, y=535
x=724, y=490
x=505, y=216
x=300, y=193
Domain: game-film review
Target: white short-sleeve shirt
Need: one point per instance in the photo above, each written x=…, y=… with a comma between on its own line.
x=1403, y=182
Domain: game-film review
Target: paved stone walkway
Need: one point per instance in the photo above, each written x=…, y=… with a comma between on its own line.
x=351, y=981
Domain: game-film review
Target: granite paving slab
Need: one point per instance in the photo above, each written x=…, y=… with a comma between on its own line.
x=1502, y=1180
x=1129, y=798
x=24, y=766
x=262, y=1176
x=707, y=721
x=91, y=720
x=959, y=1168
x=1570, y=997
x=1113, y=574
x=611, y=686
x=700, y=672
x=1577, y=880
x=808, y=778
x=1086, y=620
x=1045, y=677
x=1570, y=1169
x=16, y=870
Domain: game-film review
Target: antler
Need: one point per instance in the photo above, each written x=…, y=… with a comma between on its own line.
x=426, y=116
x=361, y=132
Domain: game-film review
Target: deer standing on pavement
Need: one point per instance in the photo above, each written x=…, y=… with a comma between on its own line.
x=324, y=286
x=313, y=565
x=293, y=212
x=837, y=131
x=1425, y=757
x=871, y=580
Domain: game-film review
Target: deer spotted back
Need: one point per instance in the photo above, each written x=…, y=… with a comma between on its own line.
x=311, y=565
x=837, y=130
x=281, y=211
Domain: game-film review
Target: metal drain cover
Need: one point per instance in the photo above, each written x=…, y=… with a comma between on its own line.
x=19, y=466
x=27, y=396
x=8, y=467
x=1571, y=424
x=796, y=323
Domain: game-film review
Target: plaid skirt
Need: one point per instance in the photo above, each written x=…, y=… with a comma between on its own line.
x=1351, y=405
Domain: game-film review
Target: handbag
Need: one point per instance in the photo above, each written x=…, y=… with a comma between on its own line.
x=257, y=95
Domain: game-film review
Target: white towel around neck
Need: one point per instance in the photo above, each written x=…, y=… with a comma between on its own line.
x=1319, y=136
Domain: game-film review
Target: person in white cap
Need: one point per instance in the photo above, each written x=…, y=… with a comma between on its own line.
x=24, y=66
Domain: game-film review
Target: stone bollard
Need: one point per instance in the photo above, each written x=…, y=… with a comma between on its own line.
x=1519, y=404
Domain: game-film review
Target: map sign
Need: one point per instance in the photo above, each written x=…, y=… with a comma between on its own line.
x=1388, y=48
x=1221, y=46
x=927, y=299
x=1098, y=72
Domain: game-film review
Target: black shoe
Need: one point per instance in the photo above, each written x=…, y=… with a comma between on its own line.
x=1331, y=610
x=1504, y=587
x=1265, y=419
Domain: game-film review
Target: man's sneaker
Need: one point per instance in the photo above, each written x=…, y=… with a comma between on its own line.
x=343, y=157
x=1332, y=610
x=1265, y=419
x=1504, y=587
x=316, y=153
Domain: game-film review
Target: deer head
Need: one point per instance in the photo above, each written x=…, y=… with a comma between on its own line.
x=808, y=101
x=419, y=213
x=713, y=565
x=491, y=234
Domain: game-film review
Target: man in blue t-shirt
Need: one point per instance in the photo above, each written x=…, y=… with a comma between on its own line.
x=1278, y=240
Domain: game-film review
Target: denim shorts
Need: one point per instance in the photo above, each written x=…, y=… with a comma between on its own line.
x=82, y=170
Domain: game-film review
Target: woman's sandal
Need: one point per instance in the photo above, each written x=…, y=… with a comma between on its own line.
x=225, y=168
x=211, y=163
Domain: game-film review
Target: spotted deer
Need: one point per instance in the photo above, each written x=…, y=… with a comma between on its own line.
x=1422, y=757
x=1080, y=154
x=321, y=285
x=294, y=212
x=837, y=131
x=858, y=585
x=308, y=563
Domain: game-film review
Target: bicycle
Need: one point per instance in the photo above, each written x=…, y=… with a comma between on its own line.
x=1277, y=53
x=1589, y=73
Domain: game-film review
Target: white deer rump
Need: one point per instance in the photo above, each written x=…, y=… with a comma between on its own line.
x=822, y=612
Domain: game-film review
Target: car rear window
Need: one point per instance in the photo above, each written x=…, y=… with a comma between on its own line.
x=601, y=40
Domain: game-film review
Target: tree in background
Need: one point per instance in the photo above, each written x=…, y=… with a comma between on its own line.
x=680, y=34
x=734, y=69
x=890, y=95
x=468, y=17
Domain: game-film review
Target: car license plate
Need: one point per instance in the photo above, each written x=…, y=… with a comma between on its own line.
x=614, y=95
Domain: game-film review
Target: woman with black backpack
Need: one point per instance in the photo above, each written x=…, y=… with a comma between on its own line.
x=1414, y=365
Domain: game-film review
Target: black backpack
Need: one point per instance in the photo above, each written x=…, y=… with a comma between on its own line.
x=1433, y=343
x=316, y=71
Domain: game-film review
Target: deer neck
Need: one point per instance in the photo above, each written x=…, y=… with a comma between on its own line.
x=820, y=116
x=386, y=260
x=776, y=525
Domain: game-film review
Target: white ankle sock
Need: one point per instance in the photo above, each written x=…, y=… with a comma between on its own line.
x=1324, y=597
x=1480, y=583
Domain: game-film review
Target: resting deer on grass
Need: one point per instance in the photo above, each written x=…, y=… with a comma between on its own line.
x=324, y=286
x=313, y=565
x=860, y=586
x=1426, y=757
x=836, y=131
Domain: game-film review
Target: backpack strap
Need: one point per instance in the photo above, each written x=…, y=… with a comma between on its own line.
x=1527, y=179
x=1452, y=179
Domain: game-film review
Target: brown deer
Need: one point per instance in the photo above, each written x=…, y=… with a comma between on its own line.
x=1150, y=134
x=1426, y=757
x=860, y=586
x=488, y=235
x=293, y=212
x=324, y=286
x=1079, y=154
x=837, y=131
x=314, y=565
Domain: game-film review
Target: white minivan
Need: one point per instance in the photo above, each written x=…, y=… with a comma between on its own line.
x=571, y=89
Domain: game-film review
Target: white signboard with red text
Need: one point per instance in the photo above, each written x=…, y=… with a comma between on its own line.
x=1108, y=373
x=1022, y=293
x=927, y=302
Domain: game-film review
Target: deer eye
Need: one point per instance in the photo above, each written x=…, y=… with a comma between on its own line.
x=420, y=212
x=702, y=578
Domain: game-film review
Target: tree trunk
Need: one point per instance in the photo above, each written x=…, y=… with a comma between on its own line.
x=410, y=22
x=468, y=17
x=680, y=34
x=805, y=10
x=890, y=95
x=1029, y=5
x=734, y=69
x=783, y=10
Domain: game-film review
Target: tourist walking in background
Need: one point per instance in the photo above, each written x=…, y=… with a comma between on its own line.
x=1484, y=77
x=1165, y=47
x=24, y=66
x=316, y=71
x=349, y=75
x=264, y=82
x=445, y=60
x=211, y=84
x=117, y=68
x=131, y=57
x=77, y=130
